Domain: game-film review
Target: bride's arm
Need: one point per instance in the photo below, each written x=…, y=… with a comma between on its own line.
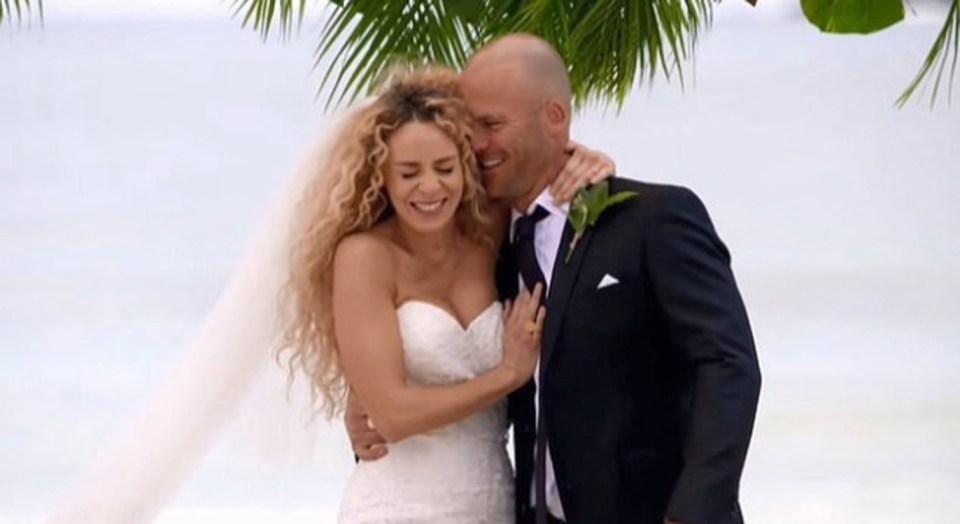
x=371, y=352
x=584, y=167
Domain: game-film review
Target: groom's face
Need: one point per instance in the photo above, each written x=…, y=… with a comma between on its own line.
x=509, y=138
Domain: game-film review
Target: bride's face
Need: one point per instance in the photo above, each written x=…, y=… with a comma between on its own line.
x=424, y=178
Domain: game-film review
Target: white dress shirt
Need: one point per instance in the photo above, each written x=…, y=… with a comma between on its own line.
x=547, y=236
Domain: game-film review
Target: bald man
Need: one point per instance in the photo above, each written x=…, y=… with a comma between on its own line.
x=648, y=380
x=644, y=401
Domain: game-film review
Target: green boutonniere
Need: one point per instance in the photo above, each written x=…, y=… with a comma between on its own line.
x=587, y=207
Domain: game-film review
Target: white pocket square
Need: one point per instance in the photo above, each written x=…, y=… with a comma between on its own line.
x=607, y=281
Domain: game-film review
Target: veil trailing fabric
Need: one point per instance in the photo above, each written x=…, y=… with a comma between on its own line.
x=228, y=372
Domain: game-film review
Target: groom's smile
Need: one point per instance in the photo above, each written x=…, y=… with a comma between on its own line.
x=489, y=165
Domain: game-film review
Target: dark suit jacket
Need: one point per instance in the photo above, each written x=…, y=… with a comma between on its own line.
x=648, y=387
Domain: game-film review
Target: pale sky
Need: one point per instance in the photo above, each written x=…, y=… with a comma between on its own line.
x=918, y=11
x=54, y=7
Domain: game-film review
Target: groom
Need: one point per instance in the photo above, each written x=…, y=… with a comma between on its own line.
x=648, y=381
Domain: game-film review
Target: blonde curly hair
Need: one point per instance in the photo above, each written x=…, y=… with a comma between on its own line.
x=348, y=196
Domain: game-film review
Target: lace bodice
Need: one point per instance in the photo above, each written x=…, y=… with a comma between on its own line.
x=458, y=473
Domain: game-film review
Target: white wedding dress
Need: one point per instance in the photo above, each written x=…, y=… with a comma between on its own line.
x=459, y=473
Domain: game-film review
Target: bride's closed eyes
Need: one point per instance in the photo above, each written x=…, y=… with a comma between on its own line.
x=444, y=166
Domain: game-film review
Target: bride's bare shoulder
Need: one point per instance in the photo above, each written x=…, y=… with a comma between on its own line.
x=364, y=254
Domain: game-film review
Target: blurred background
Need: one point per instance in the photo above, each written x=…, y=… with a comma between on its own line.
x=141, y=142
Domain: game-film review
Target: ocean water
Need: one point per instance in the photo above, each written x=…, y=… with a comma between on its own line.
x=139, y=149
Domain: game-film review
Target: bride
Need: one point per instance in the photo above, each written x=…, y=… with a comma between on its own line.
x=387, y=285
x=392, y=292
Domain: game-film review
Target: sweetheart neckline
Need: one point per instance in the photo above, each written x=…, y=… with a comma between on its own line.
x=450, y=315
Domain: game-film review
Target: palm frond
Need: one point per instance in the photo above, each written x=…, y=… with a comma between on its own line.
x=945, y=50
x=609, y=45
x=20, y=10
x=263, y=14
x=363, y=37
x=616, y=44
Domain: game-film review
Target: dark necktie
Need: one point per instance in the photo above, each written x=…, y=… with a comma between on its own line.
x=531, y=273
x=523, y=241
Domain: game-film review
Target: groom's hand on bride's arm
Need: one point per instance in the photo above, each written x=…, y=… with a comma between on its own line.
x=366, y=442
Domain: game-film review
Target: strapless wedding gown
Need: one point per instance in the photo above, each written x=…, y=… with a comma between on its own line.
x=459, y=473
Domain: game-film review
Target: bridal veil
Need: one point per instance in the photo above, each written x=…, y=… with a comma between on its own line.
x=228, y=372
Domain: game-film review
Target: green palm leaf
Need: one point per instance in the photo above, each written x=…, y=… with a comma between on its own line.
x=20, y=9
x=263, y=14
x=945, y=49
x=372, y=34
x=865, y=16
x=609, y=45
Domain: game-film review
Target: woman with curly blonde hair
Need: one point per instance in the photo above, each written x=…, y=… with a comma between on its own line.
x=351, y=197
x=391, y=295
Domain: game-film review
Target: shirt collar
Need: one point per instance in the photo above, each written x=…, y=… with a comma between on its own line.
x=544, y=200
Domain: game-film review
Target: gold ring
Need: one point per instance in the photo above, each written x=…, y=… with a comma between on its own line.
x=530, y=326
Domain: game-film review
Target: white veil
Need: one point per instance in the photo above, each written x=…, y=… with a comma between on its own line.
x=229, y=367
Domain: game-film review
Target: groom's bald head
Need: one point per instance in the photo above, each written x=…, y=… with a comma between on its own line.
x=518, y=91
x=533, y=60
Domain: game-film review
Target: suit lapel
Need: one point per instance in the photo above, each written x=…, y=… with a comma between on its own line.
x=561, y=286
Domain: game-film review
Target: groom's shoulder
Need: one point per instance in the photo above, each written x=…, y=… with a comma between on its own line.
x=655, y=197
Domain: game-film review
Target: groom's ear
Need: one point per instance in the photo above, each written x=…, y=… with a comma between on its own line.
x=557, y=116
